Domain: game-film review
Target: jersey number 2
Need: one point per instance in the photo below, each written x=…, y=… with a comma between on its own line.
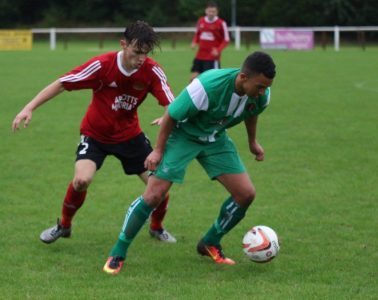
x=85, y=146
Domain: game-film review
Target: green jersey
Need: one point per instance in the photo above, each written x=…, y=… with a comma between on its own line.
x=209, y=105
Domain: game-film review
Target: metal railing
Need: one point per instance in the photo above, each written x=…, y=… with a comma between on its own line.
x=235, y=31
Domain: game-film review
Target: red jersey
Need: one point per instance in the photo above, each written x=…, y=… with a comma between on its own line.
x=112, y=114
x=209, y=35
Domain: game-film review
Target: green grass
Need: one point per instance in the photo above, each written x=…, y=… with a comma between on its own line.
x=317, y=189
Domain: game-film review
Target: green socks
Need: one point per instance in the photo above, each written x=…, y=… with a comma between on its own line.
x=136, y=216
x=229, y=216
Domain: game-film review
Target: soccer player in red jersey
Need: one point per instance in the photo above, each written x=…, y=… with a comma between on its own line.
x=120, y=81
x=211, y=37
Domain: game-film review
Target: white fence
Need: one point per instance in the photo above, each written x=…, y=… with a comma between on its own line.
x=236, y=31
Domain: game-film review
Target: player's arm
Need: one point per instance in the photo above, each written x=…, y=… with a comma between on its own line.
x=160, y=119
x=25, y=115
x=161, y=90
x=166, y=127
x=226, y=37
x=254, y=146
x=179, y=110
x=222, y=45
x=195, y=39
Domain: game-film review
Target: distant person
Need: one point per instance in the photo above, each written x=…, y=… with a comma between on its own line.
x=211, y=37
x=194, y=127
x=120, y=81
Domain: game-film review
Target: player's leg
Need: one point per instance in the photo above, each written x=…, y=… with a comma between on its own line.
x=193, y=75
x=137, y=214
x=85, y=170
x=156, y=226
x=196, y=69
x=175, y=160
x=210, y=64
x=89, y=159
x=223, y=163
x=231, y=213
x=73, y=200
x=216, y=64
x=132, y=155
x=242, y=193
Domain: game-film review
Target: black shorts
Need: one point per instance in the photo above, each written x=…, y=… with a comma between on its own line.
x=201, y=66
x=131, y=153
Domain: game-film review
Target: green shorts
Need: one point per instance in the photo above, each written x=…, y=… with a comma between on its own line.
x=217, y=158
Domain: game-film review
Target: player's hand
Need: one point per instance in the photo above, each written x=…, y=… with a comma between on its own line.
x=157, y=121
x=214, y=52
x=24, y=116
x=153, y=160
x=257, y=150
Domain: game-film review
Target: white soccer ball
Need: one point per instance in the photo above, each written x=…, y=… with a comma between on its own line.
x=261, y=244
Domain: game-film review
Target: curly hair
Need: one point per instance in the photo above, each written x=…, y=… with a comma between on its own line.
x=259, y=62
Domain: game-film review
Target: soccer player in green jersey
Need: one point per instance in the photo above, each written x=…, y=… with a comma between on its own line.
x=194, y=127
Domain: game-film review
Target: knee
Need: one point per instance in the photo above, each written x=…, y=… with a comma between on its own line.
x=153, y=197
x=81, y=183
x=245, y=196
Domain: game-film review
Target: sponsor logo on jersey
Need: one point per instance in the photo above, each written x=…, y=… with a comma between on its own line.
x=207, y=36
x=124, y=101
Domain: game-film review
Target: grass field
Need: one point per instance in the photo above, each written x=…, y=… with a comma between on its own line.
x=317, y=188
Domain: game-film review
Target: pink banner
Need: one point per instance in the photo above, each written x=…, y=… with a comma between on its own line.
x=286, y=39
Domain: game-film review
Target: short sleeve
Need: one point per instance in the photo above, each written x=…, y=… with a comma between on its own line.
x=160, y=87
x=85, y=76
x=183, y=107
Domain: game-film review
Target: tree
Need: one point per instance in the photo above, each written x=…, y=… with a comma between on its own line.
x=68, y=13
x=340, y=12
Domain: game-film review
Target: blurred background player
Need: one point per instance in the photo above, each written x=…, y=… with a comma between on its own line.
x=211, y=37
x=120, y=82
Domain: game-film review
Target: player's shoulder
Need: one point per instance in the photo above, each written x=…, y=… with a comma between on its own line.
x=150, y=62
x=221, y=21
x=108, y=56
x=202, y=19
x=218, y=79
x=151, y=65
x=217, y=74
x=105, y=59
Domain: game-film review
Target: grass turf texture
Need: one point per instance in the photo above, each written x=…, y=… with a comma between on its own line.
x=316, y=188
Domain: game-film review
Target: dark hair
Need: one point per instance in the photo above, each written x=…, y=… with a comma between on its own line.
x=257, y=63
x=142, y=34
x=211, y=4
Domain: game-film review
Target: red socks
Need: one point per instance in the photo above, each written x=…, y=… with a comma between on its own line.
x=72, y=202
x=158, y=214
